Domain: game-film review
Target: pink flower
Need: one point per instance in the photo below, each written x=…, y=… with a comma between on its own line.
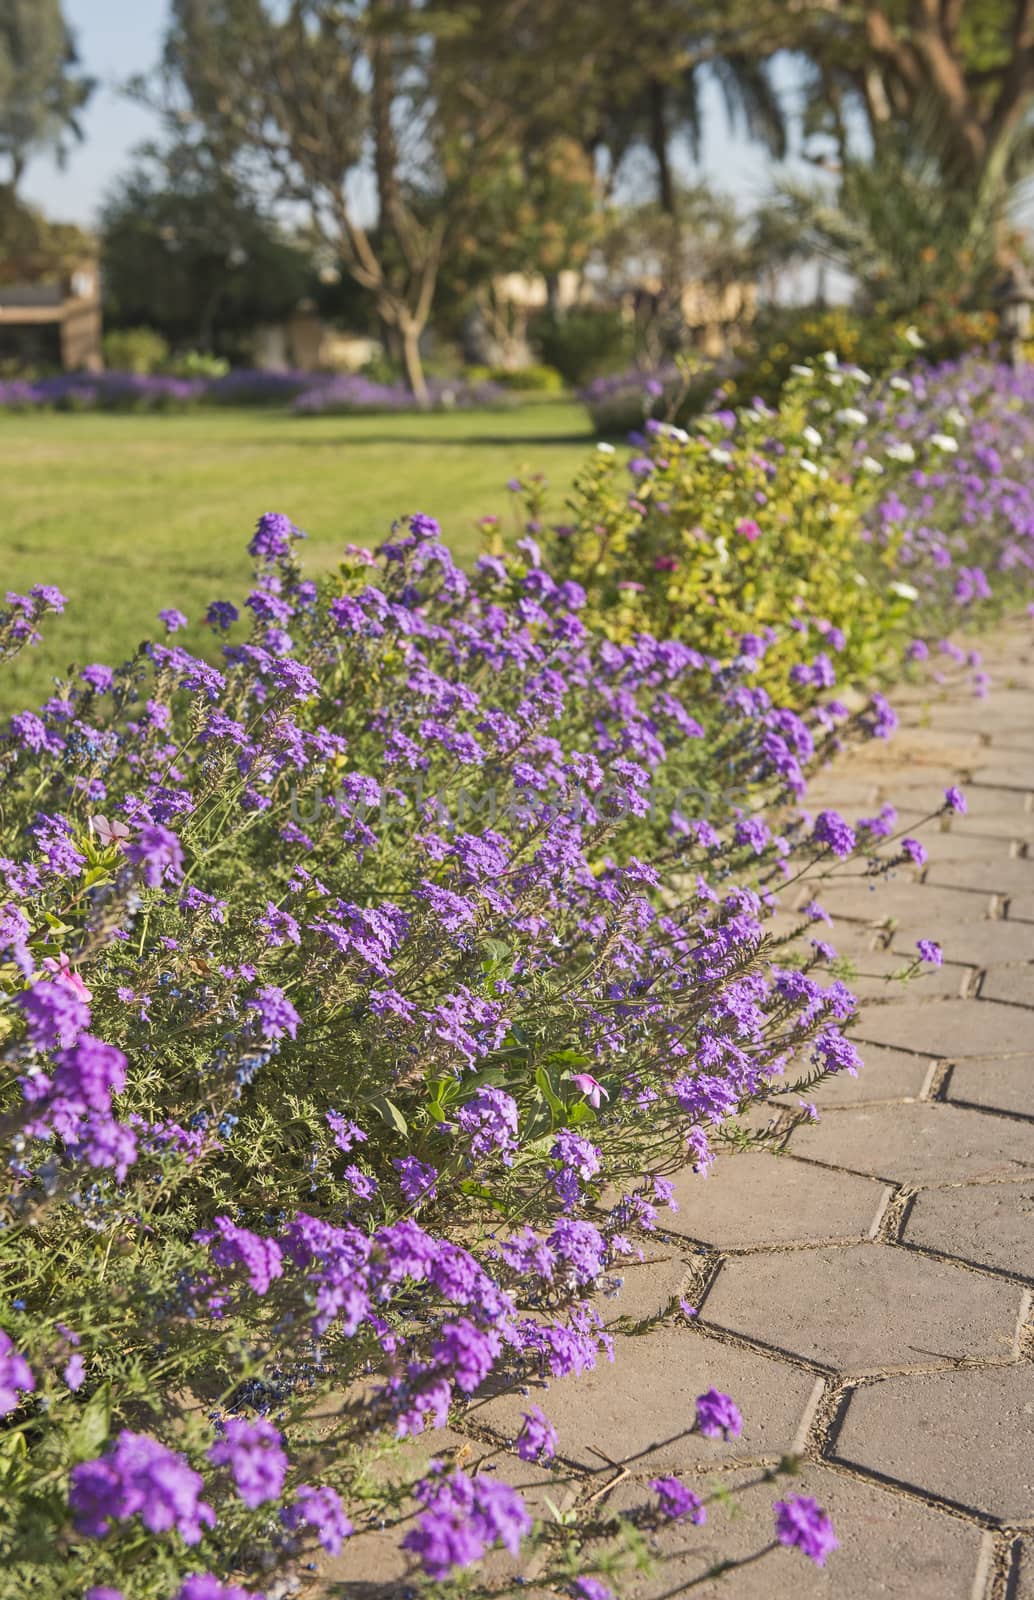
x=109, y=832
x=748, y=529
x=58, y=965
x=589, y=1087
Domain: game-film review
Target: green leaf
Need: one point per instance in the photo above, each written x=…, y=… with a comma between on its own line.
x=389, y=1112
x=94, y=1425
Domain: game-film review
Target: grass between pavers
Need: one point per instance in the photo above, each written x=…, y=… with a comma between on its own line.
x=128, y=514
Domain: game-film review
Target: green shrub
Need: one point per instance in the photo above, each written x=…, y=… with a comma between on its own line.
x=584, y=343
x=137, y=350
x=536, y=379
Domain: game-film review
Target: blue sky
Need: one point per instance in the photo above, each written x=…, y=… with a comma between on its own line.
x=118, y=38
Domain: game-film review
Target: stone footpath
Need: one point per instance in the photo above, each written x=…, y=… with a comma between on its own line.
x=864, y=1295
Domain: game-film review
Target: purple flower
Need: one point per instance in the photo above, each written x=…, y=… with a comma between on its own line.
x=54, y=1015
x=206, y=1586
x=74, y=1373
x=955, y=800
x=276, y=1014
x=15, y=1375
x=930, y=950
x=677, y=1502
x=831, y=830
x=139, y=1476
x=99, y=677
x=915, y=852
x=221, y=614
x=463, y=1517
x=800, y=1521
x=271, y=540
x=321, y=1510
x=157, y=854
x=231, y=1246
x=173, y=620
x=591, y=1589
x=416, y=1180
x=490, y=1118
x=717, y=1416
x=537, y=1438
x=253, y=1451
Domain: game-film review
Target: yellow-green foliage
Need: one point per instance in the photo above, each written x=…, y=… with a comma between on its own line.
x=785, y=336
x=750, y=523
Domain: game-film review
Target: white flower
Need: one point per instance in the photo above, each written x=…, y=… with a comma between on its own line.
x=945, y=442
x=605, y=449
x=809, y=466
x=956, y=417
x=914, y=338
x=671, y=432
x=802, y=372
x=851, y=414
x=721, y=550
x=829, y=359
x=903, y=451
x=863, y=583
x=836, y=380
x=720, y=457
x=811, y=436
x=872, y=465
x=901, y=383
x=904, y=591
x=861, y=376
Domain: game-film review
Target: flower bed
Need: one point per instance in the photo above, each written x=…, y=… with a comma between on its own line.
x=362, y=993
x=307, y=393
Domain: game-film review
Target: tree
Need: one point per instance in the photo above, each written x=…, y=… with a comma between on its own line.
x=418, y=107
x=41, y=90
x=905, y=237
x=304, y=103
x=186, y=252
x=969, y=63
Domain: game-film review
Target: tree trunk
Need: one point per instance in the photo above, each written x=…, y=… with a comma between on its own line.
x=413, y=365
x=659, y=148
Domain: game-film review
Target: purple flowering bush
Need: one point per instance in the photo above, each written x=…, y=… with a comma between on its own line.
x=361, y=988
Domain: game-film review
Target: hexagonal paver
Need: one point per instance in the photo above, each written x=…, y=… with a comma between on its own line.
x=1021, y=1585
x=990, y=1225
x=948, y=1028
x=760, y=1199
x=1010, y=820
x=885, y=1075
x=873, y=1308
x=998, y=942
x=640, y=1408
x=890, y=1545
x=645, y=1289
x=1013, y=769
x=996, y=1085
x=999, y=873
x=974, y=944
x=923, y=1143
x=878, y=899
x=948, y=848
x=965, y=1437
x=880, y=975
x=1014, y=985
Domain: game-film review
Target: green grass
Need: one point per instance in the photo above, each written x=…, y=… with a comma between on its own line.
x=128, y=514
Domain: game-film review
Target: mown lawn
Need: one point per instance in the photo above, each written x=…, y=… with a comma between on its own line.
x=129, y=514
